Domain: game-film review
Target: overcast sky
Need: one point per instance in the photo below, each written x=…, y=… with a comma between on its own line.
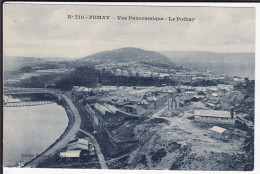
x=45, y=31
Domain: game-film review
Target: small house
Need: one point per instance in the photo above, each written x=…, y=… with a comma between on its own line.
x=189, y=94
x=151, y=105
x=179, y=101
x=214, y=94
x=201, y=94
x=195, y=99
x=220, y=133
x=91, y=99
x=78, y=144
x=135, y=109
x=213, y=106
x=74, y=155
x=161, y=100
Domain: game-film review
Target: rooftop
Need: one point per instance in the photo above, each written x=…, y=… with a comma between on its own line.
x=144, y=102
x=111, y=108
x=212, y=113
x=70, y=153
x=139, y=109
x=190, y=92
x=218, y=129
x=82, y=141
x=101, y=108
x=151, y=98
x=161, y=96
x=142, y=91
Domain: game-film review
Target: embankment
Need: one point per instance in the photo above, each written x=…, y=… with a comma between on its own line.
x=71, y=121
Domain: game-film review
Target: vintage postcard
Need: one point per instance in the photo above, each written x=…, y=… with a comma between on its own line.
x=130, y=87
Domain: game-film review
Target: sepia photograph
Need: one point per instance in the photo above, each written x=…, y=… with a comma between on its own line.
x=128, y=87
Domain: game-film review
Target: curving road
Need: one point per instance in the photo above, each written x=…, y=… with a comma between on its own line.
x=98, y=150
x=70, y=134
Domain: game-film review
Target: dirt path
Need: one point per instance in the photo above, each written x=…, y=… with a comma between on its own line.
x=98, y=150
x=114, y=159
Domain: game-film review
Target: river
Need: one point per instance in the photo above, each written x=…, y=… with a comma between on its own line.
x=29, y=130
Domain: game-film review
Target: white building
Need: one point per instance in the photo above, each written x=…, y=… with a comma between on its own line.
x=214, y=116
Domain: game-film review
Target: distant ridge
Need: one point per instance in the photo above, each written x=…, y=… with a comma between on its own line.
x=241, y=64
x=15, y=62
x=203, y=56
x=11, y=63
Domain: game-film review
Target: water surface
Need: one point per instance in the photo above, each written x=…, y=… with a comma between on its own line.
x=29, y=130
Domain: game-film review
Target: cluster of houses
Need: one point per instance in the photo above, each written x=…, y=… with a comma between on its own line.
x=114, y=105
x=216, y=117
x=177, y=76
x=187, y=75
x=213, y=115
x=133, y=104
x=78, y=150
x=210, y=95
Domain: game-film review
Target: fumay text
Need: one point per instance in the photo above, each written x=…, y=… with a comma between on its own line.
x=95, y=17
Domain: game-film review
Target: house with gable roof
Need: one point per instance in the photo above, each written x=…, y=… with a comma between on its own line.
x=220, y=133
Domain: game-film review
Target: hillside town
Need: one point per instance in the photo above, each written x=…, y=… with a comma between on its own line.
x=182, y=75
x=204, y=108
x=115, y=104
x=129, y=86
x=142, y=115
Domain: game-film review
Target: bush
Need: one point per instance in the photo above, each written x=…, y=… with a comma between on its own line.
x=158, y=155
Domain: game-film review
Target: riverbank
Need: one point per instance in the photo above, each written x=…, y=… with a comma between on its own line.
x=68, y=134
x=53, y=161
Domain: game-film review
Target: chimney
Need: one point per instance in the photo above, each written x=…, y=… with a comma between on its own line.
x=232, y=113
